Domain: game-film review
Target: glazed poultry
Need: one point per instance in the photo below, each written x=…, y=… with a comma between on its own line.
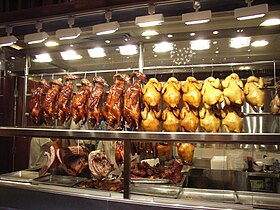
x=150, y=119
x=189, y=119
x=132, y=101
x=254, y=92
x=211, y=92
x=233, y=90
x=95, y=101
x=164, y=151
x=35, y=103
x=191, y=92
x=49, y=103
x=152, y=94
x=113, y=108
x=232, y=119
x=185, y=152
x=119, y=153
x=208, y=120
x=170, y=119
x=78, y=106
x=171, y=92
x=275, y=102
x=64, y=99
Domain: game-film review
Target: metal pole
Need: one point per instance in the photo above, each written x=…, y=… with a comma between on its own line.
x=127, y=160
x=26, y=72
x=141, y=58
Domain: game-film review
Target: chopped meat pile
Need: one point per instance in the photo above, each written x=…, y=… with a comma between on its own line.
x=105, y=184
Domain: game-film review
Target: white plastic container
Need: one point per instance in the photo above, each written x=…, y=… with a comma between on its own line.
x=219, y=163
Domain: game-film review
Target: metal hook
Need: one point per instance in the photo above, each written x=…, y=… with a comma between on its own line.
x=42, y=76
x=52, y=76
x=212, y=70
x=85, y=75
x=192, y=71
x=232, y=69
x=252, y=72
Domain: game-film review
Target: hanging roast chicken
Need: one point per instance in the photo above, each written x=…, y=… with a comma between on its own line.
x=95, y=100
x=191, y=92
x=185, y=152
x=232, y=119
x=275, y=102
x=209, y=122
x=171, y=92
x=64, y=99
x=170, y=119
x=189, y=119
x=150, y=119
x=152, y=94
x=49, y=103
x=35, y=103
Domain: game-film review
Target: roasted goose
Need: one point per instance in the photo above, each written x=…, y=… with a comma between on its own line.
x=171, y=92
x=35, y=103
x=191, y=92
x=233, y=90
x=78, y=106
x=186, y=152
x=208, y=120
x=64, y=99
x=50, y=101
x=119, y=153
x=275, y=103
x=189, y=119
x=232, y=119
x=211, y=92
x=150, y=119
x=132, y=100
x=152, y=94
x=95, y=100
x=112, y=110
x=170, y=119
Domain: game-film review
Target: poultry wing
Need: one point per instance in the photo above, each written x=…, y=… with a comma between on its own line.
x=152, y=94
x=171, y=92
x=191, y=92
x=170, y=119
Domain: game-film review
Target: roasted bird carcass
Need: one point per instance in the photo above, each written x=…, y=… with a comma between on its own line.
x=170, y=119
x=64, y=99
x=35, y=103
x=95, y=100
x=185, y=152
x=119, y=153
x=208, y=120
x=254, y=92
x=78, y=106
x=233, y=90
x=173, y=172
x=275, y=102
x=49, y=103
x=191, y=92
x=211, y=92
x=163, y=151
x=150, y=119
x=152, y=94
x=132, y=101
x=232, y=119
x=171, y=92
x=189, y=119
x=99, y=165
x=113, y=108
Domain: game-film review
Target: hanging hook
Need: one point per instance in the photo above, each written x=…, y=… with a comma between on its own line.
x=42, y=76
x=252, y=72
x=52, y=76
x=231, y=69
x=212, y=70
x=85, y=75
x=192, y=71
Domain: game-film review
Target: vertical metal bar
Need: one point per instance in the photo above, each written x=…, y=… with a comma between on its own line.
x=26, y=72
x=127, y=160
x=274, y=72
x=141, y=58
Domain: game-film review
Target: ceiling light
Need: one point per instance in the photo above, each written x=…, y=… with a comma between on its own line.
x=147, y=37
x=169, y=35
x=107, y=41
x=68, y=33
x=106, y=28
x=271, y=22
x=215, y=42
x=217, y=51
x=97, y=52
x=192, y=34
x=196, y=17
x=149, y=33
x=128, y=49
x=163, y=47
x=36, y=37
x=200, y=44
x=150, y=20
x=9, y=39
x=215, y=32
x=43, y=58
x=244, y=68
x=240, y=42
x=251, y=12
x=239, y=30
x=259, y=43
x=51, y=44
x=70, y=55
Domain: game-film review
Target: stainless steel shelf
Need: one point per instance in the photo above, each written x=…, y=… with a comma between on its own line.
x=250, y=138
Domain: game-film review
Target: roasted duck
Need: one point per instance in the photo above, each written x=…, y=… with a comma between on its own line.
x=191, y=92
x=186, y=152
x=35, y=103
x=78, y=106
x=275, y=102
x=119, y=153
x=208, y=120
x=152, y=94
x=171, y=92
x=232, y=119
x=49, y=103
x=95, y=100
x=189, y=119
x=170, y=119
x=150, y=119
x=64, y=99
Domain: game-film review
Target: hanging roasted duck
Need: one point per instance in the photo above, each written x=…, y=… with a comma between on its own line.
x=64, y=99
x=170, y=118
x=152, y=94
x=95, y=100
x=191, y=92
x=35, y=103
x=78, y=106
x=275, y=102
x=49, y=103
x=113, y=108
x=132, y=100
x=171, y=92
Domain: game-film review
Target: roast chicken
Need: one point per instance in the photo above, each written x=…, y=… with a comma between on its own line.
x=233, y=90
x=189, y=119
x=113, y=108
x=64, y=99
x=185, y=152
x=35, y=103
x=232, y=119
x=150, y=119
x=171, y=92
x=119, y=153
x=211, y=92
x=49, y=103
x=95, y=100
x=78, y=106
x=132, y=101
x=191, y=92
x=254, y=92
x=152, y=94
x=209, y=122
x=275, y=102
x=164, y=151
x=170, y=119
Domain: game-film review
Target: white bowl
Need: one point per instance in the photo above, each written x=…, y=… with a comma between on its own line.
x=258, y=166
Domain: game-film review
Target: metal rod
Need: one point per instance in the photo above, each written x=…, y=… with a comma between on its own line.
x=274, y=73
x=127, y=160
x=141, y=57
x=26, y=72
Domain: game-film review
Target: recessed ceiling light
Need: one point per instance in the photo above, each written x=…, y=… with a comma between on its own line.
x=259, y=43
x=215, y=32
x=163, y=47
x=147, y=37
x=239, y=30
x=51, y=44
x=149, y=33
x=200, y=44
x=217, y=51
x=71, y=45
x=215, y=42
x=97, y=52
x=43, y=58
x=70, y=55
x=271, y=22
x=240, y=42
x=13, y=58
x=192, y=34
x=249, y=50
x=107, y=41
x=128, y=49
x=169, y=35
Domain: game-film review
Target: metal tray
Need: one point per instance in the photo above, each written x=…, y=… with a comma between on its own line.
x=67, y=181
x=20, y=176
x=149, y=181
